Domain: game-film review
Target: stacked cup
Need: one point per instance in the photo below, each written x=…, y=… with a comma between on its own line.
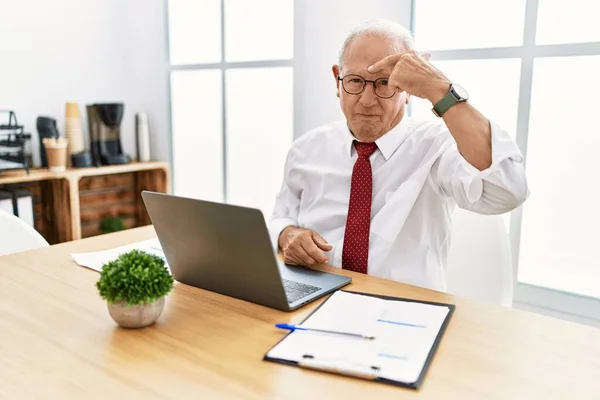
x=73, y=128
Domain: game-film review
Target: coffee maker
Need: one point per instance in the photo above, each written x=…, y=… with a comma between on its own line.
x=104, y=121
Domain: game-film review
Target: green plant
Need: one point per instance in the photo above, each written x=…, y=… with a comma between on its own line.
x=135, y=277
x=111, y=224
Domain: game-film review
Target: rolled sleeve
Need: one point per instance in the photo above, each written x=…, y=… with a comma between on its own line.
x=498, y=189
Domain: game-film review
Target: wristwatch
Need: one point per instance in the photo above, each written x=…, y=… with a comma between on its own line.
x=456, y=94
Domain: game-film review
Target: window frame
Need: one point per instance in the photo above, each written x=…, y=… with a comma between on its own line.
x=223, y=66
x=566, y=305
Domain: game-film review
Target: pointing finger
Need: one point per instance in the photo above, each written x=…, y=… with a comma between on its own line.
x=389, y=61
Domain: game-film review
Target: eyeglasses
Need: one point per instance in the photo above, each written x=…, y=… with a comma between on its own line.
x=355, y=84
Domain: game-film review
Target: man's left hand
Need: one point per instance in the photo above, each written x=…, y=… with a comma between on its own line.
x=414, y=74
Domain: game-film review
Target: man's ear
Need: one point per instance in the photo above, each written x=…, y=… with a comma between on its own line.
x=336, y=73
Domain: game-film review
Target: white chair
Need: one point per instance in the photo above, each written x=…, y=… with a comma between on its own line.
x=479, y=259
x=16, y=235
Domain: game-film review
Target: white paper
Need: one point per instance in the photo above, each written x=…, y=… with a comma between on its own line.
x=95, y=260
x=404, y=335
x=25, y=208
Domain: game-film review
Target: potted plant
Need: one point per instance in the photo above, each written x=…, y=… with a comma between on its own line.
x=135, y=285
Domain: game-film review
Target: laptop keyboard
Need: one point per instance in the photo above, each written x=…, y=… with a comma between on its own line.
x=296, y=290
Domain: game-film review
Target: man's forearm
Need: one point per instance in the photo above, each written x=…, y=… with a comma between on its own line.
x=471, y=131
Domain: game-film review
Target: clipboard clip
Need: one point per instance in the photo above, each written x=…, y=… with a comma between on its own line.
x=342, y=367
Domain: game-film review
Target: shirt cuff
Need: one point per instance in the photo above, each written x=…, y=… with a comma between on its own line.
x=275, y=227
x=503, y=148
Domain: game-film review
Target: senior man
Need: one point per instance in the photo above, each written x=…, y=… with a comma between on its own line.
x=375, y=193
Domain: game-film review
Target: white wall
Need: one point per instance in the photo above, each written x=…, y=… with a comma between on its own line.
x=321, y=27
x=85, y=51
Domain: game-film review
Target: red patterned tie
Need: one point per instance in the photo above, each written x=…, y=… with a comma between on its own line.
x=355, y=254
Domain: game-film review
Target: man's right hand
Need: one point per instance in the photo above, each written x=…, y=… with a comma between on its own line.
x=302, y=246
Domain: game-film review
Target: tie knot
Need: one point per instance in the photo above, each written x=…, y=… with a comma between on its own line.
x=365, y=149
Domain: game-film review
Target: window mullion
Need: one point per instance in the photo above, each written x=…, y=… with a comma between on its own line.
x=224, y=100
x=523, y=118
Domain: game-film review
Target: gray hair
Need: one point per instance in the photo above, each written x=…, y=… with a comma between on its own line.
x=393, y=31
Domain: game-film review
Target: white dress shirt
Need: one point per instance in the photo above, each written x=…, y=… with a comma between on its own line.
x=418, y=178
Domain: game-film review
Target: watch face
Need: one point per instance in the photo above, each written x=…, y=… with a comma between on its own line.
x=460, y=91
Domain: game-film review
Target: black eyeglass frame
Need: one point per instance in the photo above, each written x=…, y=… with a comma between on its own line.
x=366, y=81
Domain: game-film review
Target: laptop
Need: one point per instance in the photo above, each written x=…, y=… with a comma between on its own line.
x=227, y=249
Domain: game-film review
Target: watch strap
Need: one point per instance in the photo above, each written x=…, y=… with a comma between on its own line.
x=444, y=104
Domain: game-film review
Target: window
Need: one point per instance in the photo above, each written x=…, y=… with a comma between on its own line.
x=450, y=25
x=578, y=22
x=197, y=126
x=259, y=124
x=231, y=84
x=559, y=231
x=531, y=65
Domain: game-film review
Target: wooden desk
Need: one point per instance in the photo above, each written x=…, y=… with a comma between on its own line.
x=58, y=341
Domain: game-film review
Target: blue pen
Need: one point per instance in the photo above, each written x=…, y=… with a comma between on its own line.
x=300, y=328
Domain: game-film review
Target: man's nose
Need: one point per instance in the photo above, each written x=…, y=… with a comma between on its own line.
x=368, y=98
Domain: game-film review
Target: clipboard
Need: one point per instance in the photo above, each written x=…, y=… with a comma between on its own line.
x=366, y=371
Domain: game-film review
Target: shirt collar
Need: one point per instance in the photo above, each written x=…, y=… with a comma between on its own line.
x=387, y=144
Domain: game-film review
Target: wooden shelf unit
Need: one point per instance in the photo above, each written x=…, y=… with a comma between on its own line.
x=70, y=205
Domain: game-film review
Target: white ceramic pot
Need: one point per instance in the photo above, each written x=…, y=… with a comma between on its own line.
x=136, y=316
